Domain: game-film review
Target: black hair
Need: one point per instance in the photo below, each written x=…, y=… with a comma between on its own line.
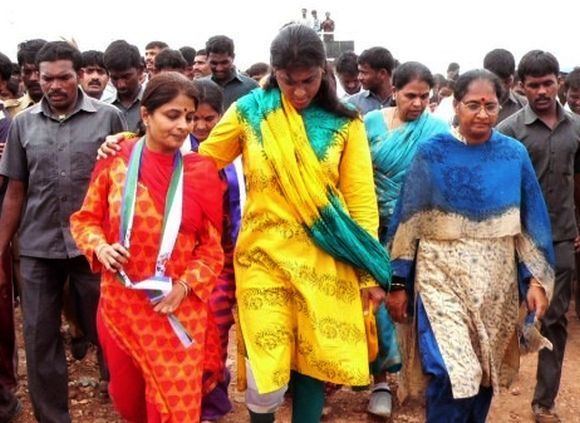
x=15, y=69
x=13, y=86
x=163, y=88
x=538, y=63
x=220, y=44
x=156, y=44
x=259, y=68
x=453, y=66
x=411, y=71
x=121, y=56
x=27, y=51
x=5, y=67
x=464, y=81
x=573, y=79
x=93, y=58
x=201, y=52
x=298, y=46
x=501, y=62
x=377, y=58
x=210, y=93
x=168, y=59
x=188, y=54
x=346, y=64
x=59, y=50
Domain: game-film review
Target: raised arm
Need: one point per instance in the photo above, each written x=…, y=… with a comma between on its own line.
x=224, y=143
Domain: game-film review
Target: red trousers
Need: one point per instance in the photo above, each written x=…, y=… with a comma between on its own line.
x=127, y=386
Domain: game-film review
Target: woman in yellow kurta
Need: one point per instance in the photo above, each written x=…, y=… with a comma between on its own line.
x=309, y=181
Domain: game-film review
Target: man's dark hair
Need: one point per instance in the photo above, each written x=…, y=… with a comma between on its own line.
x=59, y=50
x=573, y=79
x=27, y=51
x=93, y=58
x=259, y=68
x=201, y=52
x=377, y=58
x=15, y=69
x=346, y=64
x=168, y=59
x=453, y=66
x=156, y=44
x=5, y=67
x=538, y=63
x=188, y=54
x=501, y=62
x=220, y=44
x=121, y=56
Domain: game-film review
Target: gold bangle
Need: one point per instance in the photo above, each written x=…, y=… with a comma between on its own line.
x=185, y=286
x=537, y=284
x=100, y=249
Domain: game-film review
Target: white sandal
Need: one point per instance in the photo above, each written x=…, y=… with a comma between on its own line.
x=381, y=400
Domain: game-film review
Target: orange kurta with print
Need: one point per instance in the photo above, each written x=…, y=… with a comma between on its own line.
x=174, y=375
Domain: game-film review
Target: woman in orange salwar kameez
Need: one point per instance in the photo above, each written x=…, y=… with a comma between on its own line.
x=151, y=219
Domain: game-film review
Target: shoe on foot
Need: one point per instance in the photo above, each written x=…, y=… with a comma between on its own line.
x=103, y=390
x=544, y=414
x=381, y=401
x=12, y=414
x=79, y=347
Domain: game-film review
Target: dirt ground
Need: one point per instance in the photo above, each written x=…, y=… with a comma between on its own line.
x=344, y=406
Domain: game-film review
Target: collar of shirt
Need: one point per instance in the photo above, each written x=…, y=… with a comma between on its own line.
x=510, y=99
x=117, y=102
x=235, y=75
x=530, y=116
x=386, y=102
x=83, y=103
x=19, y=104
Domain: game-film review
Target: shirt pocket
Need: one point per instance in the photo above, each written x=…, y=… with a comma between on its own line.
x=83, y=158
x=41, y=164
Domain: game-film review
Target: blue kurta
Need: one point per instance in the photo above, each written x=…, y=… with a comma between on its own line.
x=470, y=222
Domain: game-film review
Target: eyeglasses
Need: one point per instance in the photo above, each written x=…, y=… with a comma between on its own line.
x=475, y=107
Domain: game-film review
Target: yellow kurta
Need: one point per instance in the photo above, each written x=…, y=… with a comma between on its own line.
x=299, y=308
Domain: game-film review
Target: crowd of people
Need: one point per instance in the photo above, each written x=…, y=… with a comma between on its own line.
x=418, y=225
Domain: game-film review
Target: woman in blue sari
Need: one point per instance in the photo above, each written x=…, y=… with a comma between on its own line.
x=470, y=228
x=395, y=134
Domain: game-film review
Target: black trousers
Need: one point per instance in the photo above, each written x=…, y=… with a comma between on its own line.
x=42, y=302
x=554, y=326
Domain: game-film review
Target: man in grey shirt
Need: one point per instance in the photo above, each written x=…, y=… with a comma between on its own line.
x=123, y=61
x=220, y=55
x=502, y=63
x=552, y=137
x=48, y=161
x=375, y=67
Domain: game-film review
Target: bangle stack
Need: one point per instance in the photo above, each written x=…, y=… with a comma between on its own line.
x=185, y=286
x=100, y=249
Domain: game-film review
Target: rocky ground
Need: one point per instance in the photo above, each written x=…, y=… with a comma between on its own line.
x=344, y=406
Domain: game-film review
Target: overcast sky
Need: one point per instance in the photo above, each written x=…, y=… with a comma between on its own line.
x=433, y=32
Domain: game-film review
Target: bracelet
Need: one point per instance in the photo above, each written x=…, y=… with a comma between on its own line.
x=185, y=286
x=100, y=249
x=537, y=284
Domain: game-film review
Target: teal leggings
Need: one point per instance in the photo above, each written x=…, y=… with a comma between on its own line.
x=307, y=401
x=307, y=398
